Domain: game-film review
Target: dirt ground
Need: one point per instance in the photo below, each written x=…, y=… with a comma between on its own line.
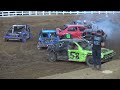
x=24, y=60
x=110, y=70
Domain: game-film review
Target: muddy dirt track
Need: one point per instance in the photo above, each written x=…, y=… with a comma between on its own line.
x=24, y=60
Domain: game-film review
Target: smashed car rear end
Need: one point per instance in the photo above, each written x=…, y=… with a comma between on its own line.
x=12, y=36
x=107, y=54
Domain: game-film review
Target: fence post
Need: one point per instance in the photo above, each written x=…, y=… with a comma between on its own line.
x=2, y=14
x=63, y=12
x=29, y=13
x=15, y=13
x=43, y=13
x=99, y=12
x=36, y=13
x=22, y=12
x=8, y=13
x=84, y=12
x=91, y=12
x=106, y=14
x=56, y=12
x=77, y=12
x=49, y=13
x=113, y=12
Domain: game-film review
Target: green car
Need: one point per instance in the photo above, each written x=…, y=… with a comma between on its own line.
x=79, y=50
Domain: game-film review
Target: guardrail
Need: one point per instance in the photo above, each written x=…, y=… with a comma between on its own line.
x=42, y=13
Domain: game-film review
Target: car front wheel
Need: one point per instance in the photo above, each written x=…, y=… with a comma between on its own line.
x=52, y=57
x=38, y=46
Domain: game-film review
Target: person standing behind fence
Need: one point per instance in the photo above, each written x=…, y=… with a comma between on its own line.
x=98, y=42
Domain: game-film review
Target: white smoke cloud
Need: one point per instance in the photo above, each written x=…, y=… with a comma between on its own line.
x=108, y=27
x=107, y=24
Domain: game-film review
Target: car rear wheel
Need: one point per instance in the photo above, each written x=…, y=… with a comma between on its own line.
x=89, y=61
x=52, y=57
x=24, y=38
x=30, y=36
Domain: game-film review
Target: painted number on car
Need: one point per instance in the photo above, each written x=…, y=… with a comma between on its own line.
x=74, y=55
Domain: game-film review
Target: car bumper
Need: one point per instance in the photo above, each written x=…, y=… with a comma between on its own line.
x=12, y=38
x=43, y=45
x=108, y=57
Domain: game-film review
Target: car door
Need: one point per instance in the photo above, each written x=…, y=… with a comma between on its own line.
x=72, y=31
x=80, y=31
x=62, y=51
x=73, y=52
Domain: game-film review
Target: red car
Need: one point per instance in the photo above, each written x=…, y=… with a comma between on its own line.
x=75, y=31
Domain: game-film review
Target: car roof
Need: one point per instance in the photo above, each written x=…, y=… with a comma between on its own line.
x=86, y=30
x=19, y=25
x=89, y=30
x=78, y=25
x=48, y=30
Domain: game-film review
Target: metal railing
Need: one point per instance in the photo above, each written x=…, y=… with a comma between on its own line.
x=43, y=13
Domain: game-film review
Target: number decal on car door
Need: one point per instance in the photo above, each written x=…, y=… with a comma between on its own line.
x=74, y=55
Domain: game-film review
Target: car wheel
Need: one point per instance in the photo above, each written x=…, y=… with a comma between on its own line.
x=6, y=40
x=52, y=57
x=30, y=36
x=24, y=40
x=38, y=46
x=89, y=61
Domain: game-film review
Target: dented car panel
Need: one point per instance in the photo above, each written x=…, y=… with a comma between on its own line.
x=81, y=50
x=75, y=30
x=18, y=32
x=46, y=38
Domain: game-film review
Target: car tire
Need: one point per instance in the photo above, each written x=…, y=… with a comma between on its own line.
x=6, y=40
x=52, y=57
x=24, y=40
x=89, y=61
x=30, y=36
x=38, y=47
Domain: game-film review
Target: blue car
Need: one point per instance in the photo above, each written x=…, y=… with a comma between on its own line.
x=46, y=38
x=18, y=32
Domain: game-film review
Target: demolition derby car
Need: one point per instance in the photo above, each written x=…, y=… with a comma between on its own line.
x=76, y=31
x=18, y=32
x=79, y=50
x=88, y=33
x=46, y=38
